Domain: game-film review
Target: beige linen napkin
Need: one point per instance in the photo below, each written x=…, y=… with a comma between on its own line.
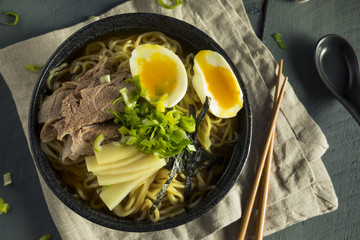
x=300, y=187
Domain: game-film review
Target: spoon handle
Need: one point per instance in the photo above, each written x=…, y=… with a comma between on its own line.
x=354, y=101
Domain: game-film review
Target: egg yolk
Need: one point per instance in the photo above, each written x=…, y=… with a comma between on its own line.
x=158, y=74
x=221, y=82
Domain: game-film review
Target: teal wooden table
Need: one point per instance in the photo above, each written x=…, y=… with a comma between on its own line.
x=300, y=25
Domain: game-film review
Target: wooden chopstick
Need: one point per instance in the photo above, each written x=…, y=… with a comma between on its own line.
x=252, y=196
x=259, y=231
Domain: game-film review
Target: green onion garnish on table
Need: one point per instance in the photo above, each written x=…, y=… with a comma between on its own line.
x=34, y=68
x=164, y=5
x=7, y=179
x=45, y=237
x=4, y=207
x=15, y=20
x=277, y=37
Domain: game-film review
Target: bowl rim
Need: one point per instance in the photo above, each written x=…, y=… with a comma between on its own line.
x=69, y=46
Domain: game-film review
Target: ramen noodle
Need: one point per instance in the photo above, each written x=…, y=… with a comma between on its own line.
x=214, y=134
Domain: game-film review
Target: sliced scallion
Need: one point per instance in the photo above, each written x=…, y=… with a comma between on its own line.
x=4, y=207
x=160, y=106
x=11, y=23
x=188, y=123
x=123, y=130
x=141, y=91
x=34, y=68
x=45, y=237
x=173, y=116
x=97, y=142
x=152, y=131
x=277, y=37
x=191, y=147
x=105, y=78
x=127, y=97
x=164, y=5
x=7, y=179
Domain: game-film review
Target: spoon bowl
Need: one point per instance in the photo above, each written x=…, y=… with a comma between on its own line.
x=338, y=68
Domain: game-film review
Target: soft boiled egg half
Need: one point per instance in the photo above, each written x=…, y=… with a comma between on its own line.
x=161, y=72
x=213, y=77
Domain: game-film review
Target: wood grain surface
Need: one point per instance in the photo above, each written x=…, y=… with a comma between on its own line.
x=28, y=217
x=301, y=25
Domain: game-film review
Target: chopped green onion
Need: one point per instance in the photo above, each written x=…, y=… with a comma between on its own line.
x=277, y=37
x=4, y=207
x=143, y=108
x=45, y=237
x=34, y=68
x=129, y=140
x=159, y=116
x=97, y=142
x=50, y=83
x=191, y=147
x=160, y=106
x=133, y=132
x=117, y=117
x=176, y=136
x=173, y=116
x=152, y=131
x=141, y=91
x=124, y=130
x=130, y=102
x=92, y=16
x=188, y=123
x=105, y=78
x=7, y=179
x=116, y=100
x=11, y=23
x=164, y=5
x=159, y=102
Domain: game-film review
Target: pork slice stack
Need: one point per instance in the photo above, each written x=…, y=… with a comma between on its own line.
x=79, y=111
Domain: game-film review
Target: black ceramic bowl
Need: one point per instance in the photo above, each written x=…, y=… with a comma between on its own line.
x=130, y=23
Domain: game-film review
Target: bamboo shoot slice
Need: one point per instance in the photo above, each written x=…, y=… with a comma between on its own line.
x=137, y=166
x=93, y=166
x=111, y=153
x=115, y=179
x=114, y=194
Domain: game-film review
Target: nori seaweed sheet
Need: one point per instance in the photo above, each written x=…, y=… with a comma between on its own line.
x=188, y=161
x=177, y=167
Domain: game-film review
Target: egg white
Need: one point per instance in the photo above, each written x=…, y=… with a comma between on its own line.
x=201, y=86
x=145, y=52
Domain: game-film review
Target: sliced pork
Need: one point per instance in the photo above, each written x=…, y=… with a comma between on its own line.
x=81, y=142
x=78, y=107
x=89, y=106
x=51, y=106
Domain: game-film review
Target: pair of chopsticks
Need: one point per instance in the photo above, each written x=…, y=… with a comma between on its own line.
x=266, y=159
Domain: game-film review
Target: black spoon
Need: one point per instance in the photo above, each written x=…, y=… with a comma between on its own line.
x=338, y=67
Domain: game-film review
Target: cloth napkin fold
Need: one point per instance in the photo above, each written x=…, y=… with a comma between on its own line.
x=300, y=187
